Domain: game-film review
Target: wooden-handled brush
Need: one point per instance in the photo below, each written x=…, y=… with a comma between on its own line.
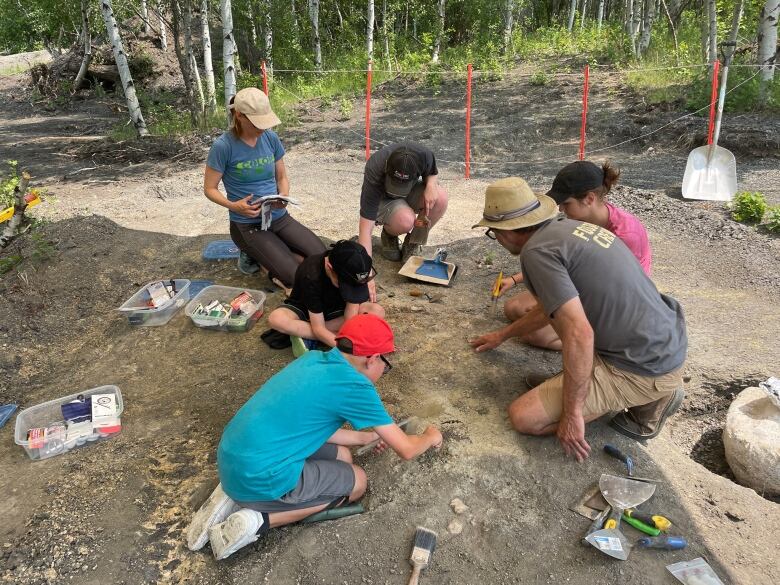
x=424, y=544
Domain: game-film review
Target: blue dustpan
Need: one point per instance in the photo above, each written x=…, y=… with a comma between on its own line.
x=220, y=250
x=5, y=413
x=435, y=268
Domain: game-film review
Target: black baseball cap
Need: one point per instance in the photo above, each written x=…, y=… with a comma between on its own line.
x=402, y=172
x=575, y=179
x=354, y=267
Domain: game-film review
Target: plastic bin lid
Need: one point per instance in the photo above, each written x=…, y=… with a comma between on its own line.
x=220, y=250
x=5, y=413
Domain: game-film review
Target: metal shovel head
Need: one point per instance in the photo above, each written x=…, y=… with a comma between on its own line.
x=713, y=178
x=622, y=493
x=611, y=542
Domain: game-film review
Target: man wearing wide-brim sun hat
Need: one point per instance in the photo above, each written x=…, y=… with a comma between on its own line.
x=248, y=159
x=624, y=343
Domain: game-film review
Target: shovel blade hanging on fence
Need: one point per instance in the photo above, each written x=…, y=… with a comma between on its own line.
x=712, y=177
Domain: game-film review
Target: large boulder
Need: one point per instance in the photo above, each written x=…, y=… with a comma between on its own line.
x=752, y=441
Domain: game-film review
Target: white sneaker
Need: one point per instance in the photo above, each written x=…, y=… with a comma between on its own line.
x=214, y=510
x=239, y=530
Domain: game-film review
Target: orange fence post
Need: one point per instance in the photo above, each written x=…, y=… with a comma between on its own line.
x=468, y=121
x=368, y=110
x=584, y=112
x=713, y=100
x=265, y=78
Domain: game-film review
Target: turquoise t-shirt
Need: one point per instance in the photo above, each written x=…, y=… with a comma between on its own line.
x=264, y=446
x=246, y=170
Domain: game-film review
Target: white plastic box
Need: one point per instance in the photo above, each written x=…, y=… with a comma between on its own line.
x=224, y=294
x=50, y=413
x=138, y=314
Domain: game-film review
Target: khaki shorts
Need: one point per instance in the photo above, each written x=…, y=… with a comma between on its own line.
x=611, y=390
x=389, y=205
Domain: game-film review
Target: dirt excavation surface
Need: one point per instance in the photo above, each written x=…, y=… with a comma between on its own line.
x=116, y=512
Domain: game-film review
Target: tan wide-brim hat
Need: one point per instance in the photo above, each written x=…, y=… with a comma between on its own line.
x=511, y=204
x=254, y=104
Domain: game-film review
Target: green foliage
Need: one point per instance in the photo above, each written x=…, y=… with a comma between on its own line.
x=773, y=220
x=539, y=78
x=141, y=65
x=345, y=108
x=8, y=182
x=8, y=263
x=748, y=207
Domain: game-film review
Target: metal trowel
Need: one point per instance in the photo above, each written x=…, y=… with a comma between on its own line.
x=620, y=493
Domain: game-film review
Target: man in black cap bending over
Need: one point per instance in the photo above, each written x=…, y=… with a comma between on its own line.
x=400, y=183
x=329, y=289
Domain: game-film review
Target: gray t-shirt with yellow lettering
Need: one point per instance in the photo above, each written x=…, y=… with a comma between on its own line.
x=635, y=327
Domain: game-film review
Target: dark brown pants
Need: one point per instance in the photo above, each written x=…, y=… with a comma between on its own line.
x=273, y=249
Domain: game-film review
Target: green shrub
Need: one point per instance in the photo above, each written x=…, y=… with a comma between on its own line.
x=773, y=220
x=141, y=66
x=8, y=183
x=540, y=78
x=748, y=206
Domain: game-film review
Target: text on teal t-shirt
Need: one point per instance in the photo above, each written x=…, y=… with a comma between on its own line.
x=247, y=170
x=264, y=446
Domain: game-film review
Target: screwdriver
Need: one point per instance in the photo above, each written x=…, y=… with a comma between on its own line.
x=496, y=291
x=662, y=542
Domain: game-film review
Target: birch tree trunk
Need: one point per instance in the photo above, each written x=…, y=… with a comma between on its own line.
x=583, y=13
x=87, y=38
x=145, y=17
x=509, y=13
x=647, y=27
x=674, y=32
x=767, y=45
x=739, y=5
x=338, y=14
x=252, y=25
x=385, y=36
x=269, y=38
x=630, y=18
x=295, y=16
x=440, y=34
x=179, y=29
x=637, y=26
x=197, y=87
x=163, y=34
x=572, y=12
x=133, y=107
x=314, y=16
x=600, y=15
x=208, y=66
x=228, y=46
x=370, y=30
x=712, y=13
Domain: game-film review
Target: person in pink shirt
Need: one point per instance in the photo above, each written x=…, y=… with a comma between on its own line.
x=580, y=190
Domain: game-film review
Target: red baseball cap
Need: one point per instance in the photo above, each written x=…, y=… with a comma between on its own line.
x=369, y=335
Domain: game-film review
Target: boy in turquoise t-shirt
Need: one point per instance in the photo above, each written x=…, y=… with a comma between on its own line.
x=284, y=455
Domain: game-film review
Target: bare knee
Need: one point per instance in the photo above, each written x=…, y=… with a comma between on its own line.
x=344, y=454
x=278, y=319
x=401, y=222
x=361, y=483
x=514, y=309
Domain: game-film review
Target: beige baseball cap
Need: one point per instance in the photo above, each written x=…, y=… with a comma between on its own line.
x=254, y=104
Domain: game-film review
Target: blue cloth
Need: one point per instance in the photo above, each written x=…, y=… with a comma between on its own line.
x=247, y=170
x=264, y=446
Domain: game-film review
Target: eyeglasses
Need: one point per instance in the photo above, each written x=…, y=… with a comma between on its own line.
x=369, y=277
x=490, y=233
x=388, y=365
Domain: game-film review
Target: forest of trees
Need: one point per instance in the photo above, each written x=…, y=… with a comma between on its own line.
x=394, y=34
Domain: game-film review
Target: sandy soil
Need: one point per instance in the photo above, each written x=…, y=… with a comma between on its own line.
x=115, y=512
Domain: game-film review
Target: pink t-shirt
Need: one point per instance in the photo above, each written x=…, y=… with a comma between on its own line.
x=629, y=229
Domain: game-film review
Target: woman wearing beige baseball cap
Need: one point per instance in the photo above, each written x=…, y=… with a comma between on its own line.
x=248, y=159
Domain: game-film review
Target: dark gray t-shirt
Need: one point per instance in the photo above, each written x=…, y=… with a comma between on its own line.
x=635, y=327
x=374, y=176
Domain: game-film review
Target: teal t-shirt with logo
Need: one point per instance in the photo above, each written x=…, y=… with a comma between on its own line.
x=264, y=446
x=247, y=170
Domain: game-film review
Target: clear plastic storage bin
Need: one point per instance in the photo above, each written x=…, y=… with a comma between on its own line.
x=225, y=294
x=49, y=414
x=139, y=314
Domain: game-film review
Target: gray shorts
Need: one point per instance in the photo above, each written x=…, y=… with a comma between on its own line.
x=389, y=205
x=322, y=480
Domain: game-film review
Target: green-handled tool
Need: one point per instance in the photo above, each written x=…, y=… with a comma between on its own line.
x=660, y=522
x=334, y=513
x=641, y=526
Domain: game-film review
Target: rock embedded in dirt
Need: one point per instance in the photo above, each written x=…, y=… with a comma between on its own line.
x=455, y=526
x=751, y=439
x=458, y=506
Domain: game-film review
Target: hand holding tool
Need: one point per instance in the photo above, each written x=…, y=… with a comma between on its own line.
x=368, y=447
